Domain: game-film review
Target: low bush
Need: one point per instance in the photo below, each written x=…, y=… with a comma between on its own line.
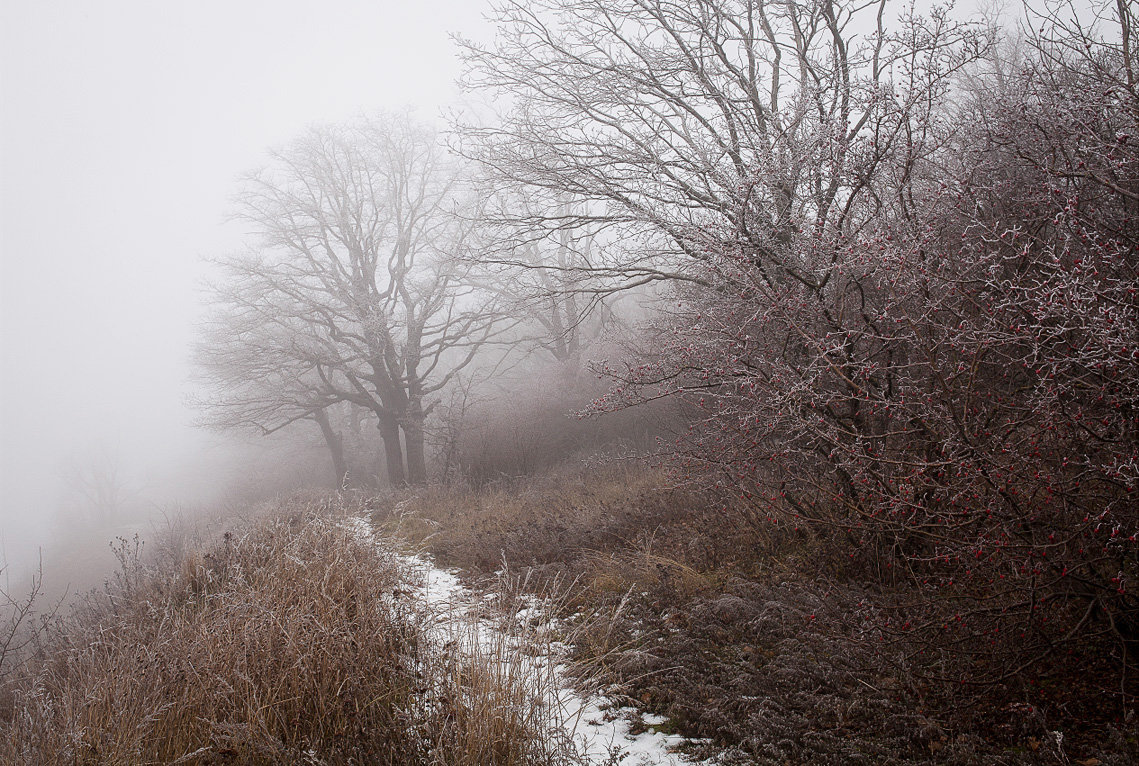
x=529, y=427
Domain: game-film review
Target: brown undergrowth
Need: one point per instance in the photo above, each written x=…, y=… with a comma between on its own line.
x=542, y=522
x=749, y=637
x=289, y=639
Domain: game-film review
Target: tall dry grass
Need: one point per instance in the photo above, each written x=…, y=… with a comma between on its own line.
x=543, y=521
x=292, y=639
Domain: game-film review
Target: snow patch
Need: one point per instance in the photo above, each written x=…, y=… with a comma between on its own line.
x=602, y=731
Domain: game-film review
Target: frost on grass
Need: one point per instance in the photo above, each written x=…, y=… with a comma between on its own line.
x=519, y=641
x=284, y=640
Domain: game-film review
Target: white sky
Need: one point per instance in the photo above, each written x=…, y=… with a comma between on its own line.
x=123, y=125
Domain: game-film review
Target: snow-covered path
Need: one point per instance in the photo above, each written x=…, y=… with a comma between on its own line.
x=599, y=729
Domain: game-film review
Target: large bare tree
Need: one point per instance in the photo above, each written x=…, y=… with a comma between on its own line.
x=353, y=290
x=679, y=125
x=908, y=312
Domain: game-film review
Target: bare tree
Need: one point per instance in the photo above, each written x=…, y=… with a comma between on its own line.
x=23, y=622
x=681, y=127
x=739, y=151
x=905, y=318
x=540, y=271
x=96, y=480
x=354, y=291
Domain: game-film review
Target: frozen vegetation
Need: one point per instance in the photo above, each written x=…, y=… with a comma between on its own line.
x=756, y=382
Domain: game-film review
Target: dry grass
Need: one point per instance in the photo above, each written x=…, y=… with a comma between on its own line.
x=756, y=639
x=289, y=640
x=539, y=522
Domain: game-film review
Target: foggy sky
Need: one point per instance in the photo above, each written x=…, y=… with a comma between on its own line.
x=123, y=126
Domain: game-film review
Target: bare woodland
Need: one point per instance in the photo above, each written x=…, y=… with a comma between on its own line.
x=882, y=267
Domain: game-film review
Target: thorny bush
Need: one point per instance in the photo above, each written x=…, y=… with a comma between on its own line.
x=944, y=380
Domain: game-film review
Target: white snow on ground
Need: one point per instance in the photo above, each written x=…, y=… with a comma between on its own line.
x=599, y=729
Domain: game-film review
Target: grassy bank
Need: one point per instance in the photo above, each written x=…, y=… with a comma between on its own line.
x=289, y=639
x=295, y=638
x=745, y=635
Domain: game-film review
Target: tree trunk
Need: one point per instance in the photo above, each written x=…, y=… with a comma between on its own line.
x=414, y=439
x=413, y=417
x=416, y=449
x=335, y=447
x=393, y=452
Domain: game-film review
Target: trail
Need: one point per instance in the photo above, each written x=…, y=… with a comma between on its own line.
x=599, y=728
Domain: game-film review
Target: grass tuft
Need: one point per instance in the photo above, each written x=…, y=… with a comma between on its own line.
x=291, y=639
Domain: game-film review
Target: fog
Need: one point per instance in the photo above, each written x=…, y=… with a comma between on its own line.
x=125, y=124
